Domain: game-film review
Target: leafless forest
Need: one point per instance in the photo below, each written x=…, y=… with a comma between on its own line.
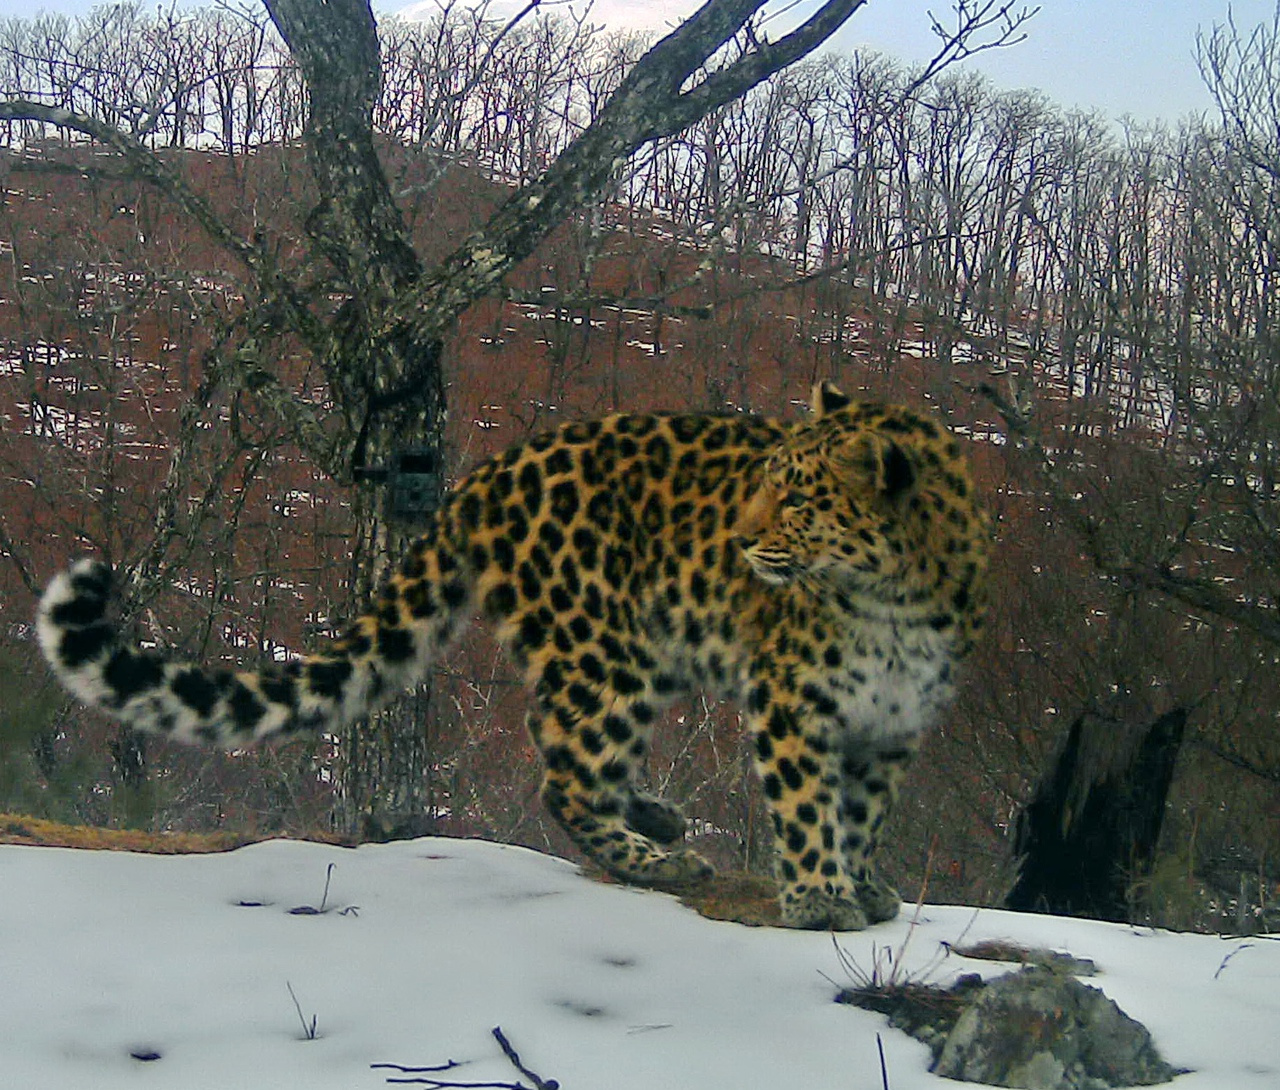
x=1093, y=304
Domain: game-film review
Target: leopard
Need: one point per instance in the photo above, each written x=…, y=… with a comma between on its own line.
x=827, y=574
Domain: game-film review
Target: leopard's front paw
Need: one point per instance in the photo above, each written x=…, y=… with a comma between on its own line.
x=879, y=900
x=817, y=910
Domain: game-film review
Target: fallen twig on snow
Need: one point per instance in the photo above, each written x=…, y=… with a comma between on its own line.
x=426, y=1076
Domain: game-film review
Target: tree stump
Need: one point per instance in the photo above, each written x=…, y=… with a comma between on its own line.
x=1094, y=821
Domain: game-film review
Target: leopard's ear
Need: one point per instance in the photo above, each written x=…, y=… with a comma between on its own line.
x=897, y=474
x=827, y=398
x=874, y=461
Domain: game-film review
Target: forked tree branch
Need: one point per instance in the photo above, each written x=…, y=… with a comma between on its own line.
x=143, y=163
x=648, y=105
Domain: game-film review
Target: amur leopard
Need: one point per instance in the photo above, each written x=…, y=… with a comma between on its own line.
x=828, y=574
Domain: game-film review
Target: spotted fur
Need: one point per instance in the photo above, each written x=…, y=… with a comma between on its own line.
x=828, y=574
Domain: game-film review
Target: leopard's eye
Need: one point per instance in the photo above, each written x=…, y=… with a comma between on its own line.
x=794, y=498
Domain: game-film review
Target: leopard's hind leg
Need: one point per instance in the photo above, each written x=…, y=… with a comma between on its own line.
x=595, y=753
x=655, y=818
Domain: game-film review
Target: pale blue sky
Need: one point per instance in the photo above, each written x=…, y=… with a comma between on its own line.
x=1135, y=57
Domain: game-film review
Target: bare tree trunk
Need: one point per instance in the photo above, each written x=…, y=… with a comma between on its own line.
x=391, y=386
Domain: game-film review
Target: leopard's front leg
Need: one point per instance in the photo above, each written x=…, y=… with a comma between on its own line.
x=870, y=773
x=800, y=772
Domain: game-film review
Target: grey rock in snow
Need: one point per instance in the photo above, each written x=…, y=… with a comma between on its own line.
x=1041, y=1030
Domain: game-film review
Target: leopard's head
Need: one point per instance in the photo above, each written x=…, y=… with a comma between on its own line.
x=865, y=498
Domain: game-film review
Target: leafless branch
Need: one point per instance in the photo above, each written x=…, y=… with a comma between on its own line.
x=426, y=1076
x=974, y=17
x=143, y=163
x=648, y=105
x=1199, y=594
x=655, y=304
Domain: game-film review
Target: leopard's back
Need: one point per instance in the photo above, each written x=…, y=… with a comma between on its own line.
x=611, y=543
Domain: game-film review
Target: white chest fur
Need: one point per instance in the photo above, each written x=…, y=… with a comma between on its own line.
x=891, y=684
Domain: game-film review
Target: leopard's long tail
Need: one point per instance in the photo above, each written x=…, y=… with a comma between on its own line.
x=383, y=652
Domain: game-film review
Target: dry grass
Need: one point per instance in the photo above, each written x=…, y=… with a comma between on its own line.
x=748, y=899
x=20, y=829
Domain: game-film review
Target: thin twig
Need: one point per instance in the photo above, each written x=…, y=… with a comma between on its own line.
x=309, y=1031
x=538, y=1082
x=328, y=875
x=1242, y=946
x=405, y=1069
x=426, y=1076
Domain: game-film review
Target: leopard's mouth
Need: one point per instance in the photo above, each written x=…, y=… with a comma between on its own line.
x=774, y=568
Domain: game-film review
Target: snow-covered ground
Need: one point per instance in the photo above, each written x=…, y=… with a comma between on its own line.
x=427, y=945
